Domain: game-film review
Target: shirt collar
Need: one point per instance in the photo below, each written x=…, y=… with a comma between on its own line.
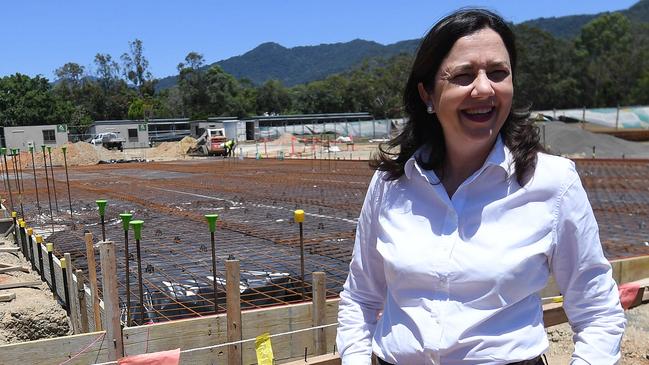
x=500, y=156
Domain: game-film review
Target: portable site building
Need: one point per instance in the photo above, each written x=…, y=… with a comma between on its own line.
x=23, y=137
x=134, y=132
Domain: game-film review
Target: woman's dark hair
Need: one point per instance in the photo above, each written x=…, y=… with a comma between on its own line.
x=519, y=134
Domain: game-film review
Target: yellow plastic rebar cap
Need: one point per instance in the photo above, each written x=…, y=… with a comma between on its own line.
x=50, y=247
x=23, y=224
x=63, y=263
x=30, y=231
x=39, y=238
x=298, y=216
x=14, y=214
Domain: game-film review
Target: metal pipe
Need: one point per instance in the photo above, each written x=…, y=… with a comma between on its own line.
x=67, y=180
x=39, y=248
x=298, y=216
x=14, y=162
x=23, y=237
x=49, y=199
x=137, y=230
x=50, y=258
x=211, y=221
x=56, y=200
x=101, y=204
x=3, y=151
x=126, y=218
x=66, y=293
x=38, y=202
x=31, y=247
x=20, y=168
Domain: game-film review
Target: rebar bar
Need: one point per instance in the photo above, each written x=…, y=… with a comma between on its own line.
x=49, y=198
x=56, y=200
x=38, y=202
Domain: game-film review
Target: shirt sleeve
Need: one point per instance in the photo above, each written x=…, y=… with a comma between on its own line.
x=584, y=276
x=363, y=294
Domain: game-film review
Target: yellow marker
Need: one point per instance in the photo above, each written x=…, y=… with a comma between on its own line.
x=63, y=263
x=264, y=349
x=39, y=238
x=30, y=231
x=50, y=247
x=23, y=224
x=14, y=214
x=298, y=216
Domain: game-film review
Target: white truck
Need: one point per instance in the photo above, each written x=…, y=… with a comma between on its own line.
x=110, y=140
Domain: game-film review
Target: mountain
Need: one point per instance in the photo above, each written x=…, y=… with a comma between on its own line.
x=302, y=64
x=568, y=27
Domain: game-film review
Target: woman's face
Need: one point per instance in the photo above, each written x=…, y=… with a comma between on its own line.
x=473, y=90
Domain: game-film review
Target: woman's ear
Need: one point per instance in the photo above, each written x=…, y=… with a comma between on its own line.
x=425, y=98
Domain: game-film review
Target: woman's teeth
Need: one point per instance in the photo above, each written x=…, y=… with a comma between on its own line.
x=478, y=111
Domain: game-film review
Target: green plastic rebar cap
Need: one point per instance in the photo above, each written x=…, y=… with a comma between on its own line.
x=31, y=149
x=49, y=149
x=137, y=228
x=43, y=148
x=126, y=217
x=64, y=148
x=101, y=204
x=211, y=221
x=3, y=151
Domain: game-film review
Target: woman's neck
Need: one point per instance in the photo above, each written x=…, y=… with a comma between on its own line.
x=460, y=163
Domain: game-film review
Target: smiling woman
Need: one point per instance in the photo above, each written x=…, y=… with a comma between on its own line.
x=463, y=225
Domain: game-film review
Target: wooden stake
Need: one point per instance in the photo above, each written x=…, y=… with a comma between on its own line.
x=20, y=285
x=81, y=297
x=92, y=278
x=72, y=294
x=233, y=303
x=318, y=312
x=111, y=300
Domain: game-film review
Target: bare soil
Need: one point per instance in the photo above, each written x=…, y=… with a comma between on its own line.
x=635, y=344
x=34, y=314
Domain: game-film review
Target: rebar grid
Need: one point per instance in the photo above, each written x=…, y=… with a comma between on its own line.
x=255, y=200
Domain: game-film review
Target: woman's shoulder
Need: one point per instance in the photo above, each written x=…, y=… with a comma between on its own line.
x=554, y=170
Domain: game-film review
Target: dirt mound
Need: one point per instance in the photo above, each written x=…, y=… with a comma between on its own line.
x=187, y=143
x=77, y=154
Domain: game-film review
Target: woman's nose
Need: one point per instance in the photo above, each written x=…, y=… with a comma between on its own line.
x=482, y=86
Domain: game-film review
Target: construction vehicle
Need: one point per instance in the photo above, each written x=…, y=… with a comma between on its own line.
x=211, y=142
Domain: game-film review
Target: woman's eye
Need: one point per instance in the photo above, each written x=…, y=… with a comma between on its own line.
x=463, y=79
x=498, y=75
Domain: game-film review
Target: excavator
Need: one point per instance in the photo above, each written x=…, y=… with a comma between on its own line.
x=211, y=142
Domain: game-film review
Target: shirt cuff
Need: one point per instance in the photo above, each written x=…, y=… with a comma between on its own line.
x=357, y=359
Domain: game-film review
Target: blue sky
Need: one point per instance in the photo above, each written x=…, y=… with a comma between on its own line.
x=38, y=36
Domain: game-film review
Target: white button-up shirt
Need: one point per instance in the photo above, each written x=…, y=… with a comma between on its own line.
x=457, y=279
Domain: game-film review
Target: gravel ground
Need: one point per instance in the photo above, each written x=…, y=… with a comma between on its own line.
x=34, y=314
x=635, y=345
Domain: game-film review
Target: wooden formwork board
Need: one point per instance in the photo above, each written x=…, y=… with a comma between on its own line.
x=209, y=331
x=186, y=334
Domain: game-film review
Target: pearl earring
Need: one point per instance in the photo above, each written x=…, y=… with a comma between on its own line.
x=429, y=109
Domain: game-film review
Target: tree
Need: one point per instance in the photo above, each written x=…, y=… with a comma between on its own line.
x=273, y=97
x=107, y=70
x=136, y=68
x=192, y=85
x=603, y=50
x=545, y=78
x=30, y=101
x=222, y=90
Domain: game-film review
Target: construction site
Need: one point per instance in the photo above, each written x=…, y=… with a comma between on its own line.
x=173, y=282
